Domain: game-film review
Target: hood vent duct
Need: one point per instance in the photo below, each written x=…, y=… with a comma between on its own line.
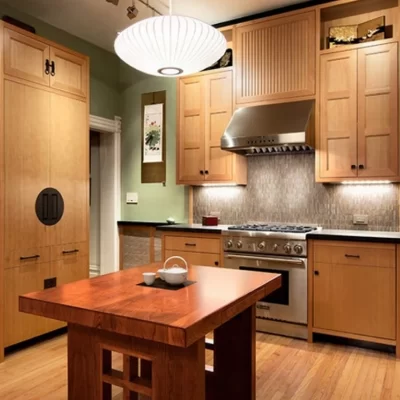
x=271, y=129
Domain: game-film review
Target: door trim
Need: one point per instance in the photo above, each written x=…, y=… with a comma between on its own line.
x=110, y=159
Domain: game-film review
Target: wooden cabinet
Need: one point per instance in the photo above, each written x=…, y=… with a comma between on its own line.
x=275, y=58
x=354, y=290
x=338, y=147
x=205, y=108
x=378, y=113
x=359, y=114
x=196, y=248
x=69, y=172
x=70, y=72
x=45, y=142
x=27, y=165
x=20, y=326
x=28, y=57
x=25, y=57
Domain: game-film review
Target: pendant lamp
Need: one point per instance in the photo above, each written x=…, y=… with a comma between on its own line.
x=170, y=45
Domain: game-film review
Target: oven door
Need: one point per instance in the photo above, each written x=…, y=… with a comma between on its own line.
x=289, y=302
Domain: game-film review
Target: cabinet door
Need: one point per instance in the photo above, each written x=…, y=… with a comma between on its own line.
x=378, y=136
x=275, y=59
x=20, y=326
x=69, y=73
x=192, y=258
x=69, y=167
x=218, y=112
x=338, y=115
x=70, y=268
x=355, y=299
x=191, y=130
x=27, y=160
x=25, y=57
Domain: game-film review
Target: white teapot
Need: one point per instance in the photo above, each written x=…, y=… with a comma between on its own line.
x=175, y=275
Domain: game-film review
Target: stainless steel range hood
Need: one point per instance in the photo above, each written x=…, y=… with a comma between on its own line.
x=271, y=129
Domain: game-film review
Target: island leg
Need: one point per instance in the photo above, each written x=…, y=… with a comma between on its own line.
x=235, y=359
x=84, y=364
x=179, y=373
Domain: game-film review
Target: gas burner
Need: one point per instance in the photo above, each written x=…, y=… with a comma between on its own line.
x=272, y=228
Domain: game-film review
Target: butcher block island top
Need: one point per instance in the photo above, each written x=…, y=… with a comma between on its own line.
x=161, y=333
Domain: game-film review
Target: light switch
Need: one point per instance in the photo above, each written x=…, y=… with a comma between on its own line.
x=132, y=198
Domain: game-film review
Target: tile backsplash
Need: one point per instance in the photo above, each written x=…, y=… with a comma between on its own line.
x=283, y=189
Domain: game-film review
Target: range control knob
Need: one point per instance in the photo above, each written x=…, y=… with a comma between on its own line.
x=287, y=248
x=229, y=244
x=261, y=245
x=275, y=247
x=298, y=249
x=239, y=244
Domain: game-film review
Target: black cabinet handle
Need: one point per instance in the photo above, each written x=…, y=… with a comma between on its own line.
x=316, y=272
x=352, y=255
x=70, y=251
x=30, y=257
x=361, y=166
x=201, y=172
x=53, y=68
x=216, y=263
x=47, y=65
x=354, y=166
x=206, y=172
x=190, y=244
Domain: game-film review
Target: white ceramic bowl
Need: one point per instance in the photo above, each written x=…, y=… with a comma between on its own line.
x=149, y=278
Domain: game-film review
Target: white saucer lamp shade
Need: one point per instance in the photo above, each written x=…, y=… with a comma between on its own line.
x=170, y=45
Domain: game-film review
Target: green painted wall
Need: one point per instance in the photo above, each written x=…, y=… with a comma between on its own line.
x=156, y=203
x=104, y=66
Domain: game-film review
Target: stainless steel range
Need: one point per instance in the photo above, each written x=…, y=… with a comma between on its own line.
x=279, y=249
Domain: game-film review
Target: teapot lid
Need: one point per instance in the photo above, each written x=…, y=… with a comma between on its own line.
x=175, y=270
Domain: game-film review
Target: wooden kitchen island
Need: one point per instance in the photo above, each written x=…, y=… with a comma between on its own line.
x=161, y=333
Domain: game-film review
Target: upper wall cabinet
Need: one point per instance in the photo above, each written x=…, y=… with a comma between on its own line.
x=275, y=59
x=26, y=58
x=33, y=60
x=205, y=108
x=359, y=114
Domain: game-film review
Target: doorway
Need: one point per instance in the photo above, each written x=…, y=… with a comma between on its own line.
x=104, y=195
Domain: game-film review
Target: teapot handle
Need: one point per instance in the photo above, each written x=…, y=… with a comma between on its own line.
x=171, y=258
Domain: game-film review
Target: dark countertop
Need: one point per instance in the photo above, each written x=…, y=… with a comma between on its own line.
x=355, y=236
x=192, y=228
x=142, y=223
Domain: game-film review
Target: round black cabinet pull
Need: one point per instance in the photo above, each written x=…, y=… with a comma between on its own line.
x=316, y=273
x=49, y=206
x=361, y=166
x=354, y=166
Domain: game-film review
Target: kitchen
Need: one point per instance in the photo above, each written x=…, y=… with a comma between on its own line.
x=347, y=187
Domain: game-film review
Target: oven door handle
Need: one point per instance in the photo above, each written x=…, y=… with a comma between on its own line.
x=294, y=261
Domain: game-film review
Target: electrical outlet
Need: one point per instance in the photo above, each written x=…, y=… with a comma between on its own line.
x=49, y=283
x=360, y=219
x=132, y=198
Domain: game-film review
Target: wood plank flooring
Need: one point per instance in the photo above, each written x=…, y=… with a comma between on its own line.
x=286, y=369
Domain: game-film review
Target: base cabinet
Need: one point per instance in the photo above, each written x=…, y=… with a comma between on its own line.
x=354, y=289
x=20, y=326
x=196, y=249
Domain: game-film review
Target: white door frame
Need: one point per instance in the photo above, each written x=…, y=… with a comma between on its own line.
x=110, y=191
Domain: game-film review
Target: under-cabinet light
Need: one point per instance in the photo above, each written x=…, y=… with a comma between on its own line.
x=365, y=182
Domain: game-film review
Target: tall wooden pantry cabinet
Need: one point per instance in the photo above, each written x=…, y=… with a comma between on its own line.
x=44, y=163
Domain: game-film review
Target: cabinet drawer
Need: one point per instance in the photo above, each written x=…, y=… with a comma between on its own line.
x=29, y=256
x=69, y=250
x=361, y=254
x=205, y=259
x=193, y=244
x=70, y=269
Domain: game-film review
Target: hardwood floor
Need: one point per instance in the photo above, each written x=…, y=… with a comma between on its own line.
x=286, y=369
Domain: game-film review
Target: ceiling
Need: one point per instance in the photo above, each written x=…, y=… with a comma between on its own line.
x=98, y=22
